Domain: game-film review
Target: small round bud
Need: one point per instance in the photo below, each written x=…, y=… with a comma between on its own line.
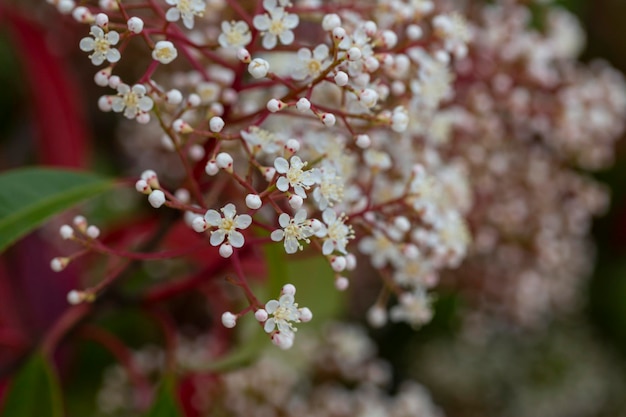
x=368, y=98
x=398, y=88
x=330, y=22
x=341, y=78
x=81, y=223
x=75, y=297
x=303, y=105
x=194, y=100
x=339, y=34
x=342, y=283
x=211, y=168
x=244, y=56
x=283, y=340
x=363, y=141
x=292, y=146
x=181, y=126
x=93, y=232
x=268, y=173
x=216, y=124
x=402, y=223
x=370, y=28
x=389, y=38
x=151, y=178
x=371, y=64
x=414, y=32
x=258, y=68
x=196, y=152
x=338, y=263
x=353, y=54
x=350, y=262
x=253, y=201
x=82, y=15
x=114, y=81
x=164, y=52
x=224, y=161
x=377, y=316
x=217, y=109
x=295, y=201
x=199, y=224
x=225, y=250
x=143, y=187
x=102, y=20
x=143, y=118
x=182, y=194
x=442, y=56
x=135, y=24
x=66, y=232
x=230, y=96
x=411, y=251
x=58, y=264
x=328, y=119
x=288, y=289
x=65, y=6
x=174, y=96
x=305, y=314
x=108, y=4
x=229, y=320
x=102, y=77
x=156, y=198
x=105, y=103
x=275, y=105
x=261, y=315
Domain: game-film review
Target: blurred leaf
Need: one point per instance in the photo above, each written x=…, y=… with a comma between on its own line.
x=29, y=196
x=166, y=402
x=34, y=392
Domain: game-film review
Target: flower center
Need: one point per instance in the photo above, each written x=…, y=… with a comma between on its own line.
x=227, y=224
x=131, y=99
x=277, y=27
x=101, y=46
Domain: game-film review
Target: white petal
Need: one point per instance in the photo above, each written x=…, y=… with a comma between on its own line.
x=269, y=41
x=86, y=44
x=229, y=210
x=271, y=306
x=236, y=239
x=284, y=220
x=117, y=104
x=113, y=55
x=97, y=32
x=282, y=184
x=243, y=221
x=97, y=59
x=172, y=15
x=329, y=216
x=328, y=247
x=261, y=22
x=321, y=52
x=269, y=325
x=304, y=54
x=281, y=165
x=291, y=245
x=286, y=38
x=291, y=20
x=213, y=218
x=217, y=237
x=300, y=216
x=113, y=37
x=188, y=20
x=286, y=300
x=277, y=235
x=145, y=103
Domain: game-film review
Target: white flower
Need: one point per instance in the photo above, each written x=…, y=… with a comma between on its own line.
x=380, y=249
x=283, y=313
x=164, y=52
x=311, y=64
x=258, y=68
x=294, y=176
x=185, y=8
x=227, y=226
x=277, y=23
x=336, y=233
x=293, y=231
x=234, y=35
x=330, y=190
x=261, y=140
x=132, y=100
x=101, y=45
x=414, y=308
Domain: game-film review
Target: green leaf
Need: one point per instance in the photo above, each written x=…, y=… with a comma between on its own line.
x=166, y=401
x=29, y=196
x=34, y=391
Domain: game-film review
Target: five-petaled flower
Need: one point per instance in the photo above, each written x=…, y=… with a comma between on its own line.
x=227, y=226
x=101, y=45
x=275, y=24
x=234, y=35
x=293, y=231
x=294, y=176
x=132, y=101
x=186, y=9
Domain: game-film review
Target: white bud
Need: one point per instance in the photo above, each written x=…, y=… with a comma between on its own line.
x=102, y=77
x=81, y=223
x=230, y=96
x=253, y=201
x=114, y=81
x=399, y=120
x=216, y=124
x=292, y=146
x=269, y=173
x=354, y=54
x=411, y=251
x=199, y=224
x=211, y=168
x=164, y=52
x=156, y=198
x=196, y=152
x=182, y=194
x=295, y=201
x=224, y=161
x=331, y=21
x=328, y=119
x=303, y=105
x=289, y=289
x=283, y=340
x=350, y=262
x=65, y=6
x=390, y=39
x=317, y=227
x=370, y=28
x=274, y=105
x=151, y=178
x=105, y=103
x=143, y=118
x=377, y=316
x=414, y=32
x=194, y=100
x=305, y=314
x=174, y=96
x=341, y=78
x=402, y=223
x=398, y=88
x=93, y=232
x=339, y=34
x=66, y=232
x=75, y=297
x=229, y=320
x=368, y=98
x=338, y=263
x=258, y=68
x=244, y=56
x=102, y=20
x=225, y=250
x=143, y=187
x=59, y=264
x=342, y=283
x=261, y=315
x=135, y=24
x=181, y=126
x=363, y=141
x=371, y=64
x=82, y=15
x=442, y=56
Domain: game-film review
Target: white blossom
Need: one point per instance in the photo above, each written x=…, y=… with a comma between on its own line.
x=101, y=45
x=275, y=24
x=186, y=9
x=227, y=225
x=293, y=231
x=234, y=35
